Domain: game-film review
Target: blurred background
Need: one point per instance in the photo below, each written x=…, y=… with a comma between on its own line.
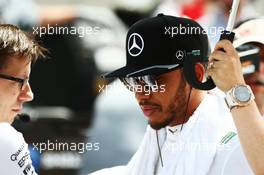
x=73, y=105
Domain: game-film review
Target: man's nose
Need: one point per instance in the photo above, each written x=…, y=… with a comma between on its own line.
x=140, y=94
x=26, y=94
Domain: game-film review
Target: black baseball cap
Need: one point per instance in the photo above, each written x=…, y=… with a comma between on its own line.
x=160, y=44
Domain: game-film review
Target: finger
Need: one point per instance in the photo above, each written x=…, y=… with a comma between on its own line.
x=213, y=66
x=210, y=65
x=210, y=72
x=218, y=56
x=219, y=65
x=226, y=45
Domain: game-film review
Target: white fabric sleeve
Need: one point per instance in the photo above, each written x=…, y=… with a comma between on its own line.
x=236, y=163
x=230, y=160
x=15, y=157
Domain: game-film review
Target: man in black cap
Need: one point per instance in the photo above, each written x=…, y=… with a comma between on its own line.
x=155, y=54
x=186, y=125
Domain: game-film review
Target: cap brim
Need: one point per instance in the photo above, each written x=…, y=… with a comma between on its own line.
x=141, y=71
x=249, y=39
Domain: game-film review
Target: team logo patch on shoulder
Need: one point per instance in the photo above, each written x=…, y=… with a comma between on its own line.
x=135, y=44
x=228, y=137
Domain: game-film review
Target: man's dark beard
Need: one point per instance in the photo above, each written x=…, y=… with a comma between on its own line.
x=175, y=109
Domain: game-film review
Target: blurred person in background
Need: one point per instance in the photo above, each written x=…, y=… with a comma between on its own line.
x=67, y=53
x=17, y=54
x=226, y=71
x=65, y=48
x=251, y=32
x=26, y=13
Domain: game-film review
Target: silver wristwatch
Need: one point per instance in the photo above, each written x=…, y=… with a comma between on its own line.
x=239, y=95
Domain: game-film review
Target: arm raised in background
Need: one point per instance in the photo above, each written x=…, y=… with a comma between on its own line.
x=226, y=71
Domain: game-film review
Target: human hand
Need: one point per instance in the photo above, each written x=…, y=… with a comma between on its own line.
x=225, y=67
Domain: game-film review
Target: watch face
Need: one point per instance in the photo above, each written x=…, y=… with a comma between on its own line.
x=242, y=94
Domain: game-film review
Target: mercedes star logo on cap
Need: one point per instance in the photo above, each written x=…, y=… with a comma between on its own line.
x=135, y=44
x=179, y=54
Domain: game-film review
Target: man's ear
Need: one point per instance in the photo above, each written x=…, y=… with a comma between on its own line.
x=199, y=71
